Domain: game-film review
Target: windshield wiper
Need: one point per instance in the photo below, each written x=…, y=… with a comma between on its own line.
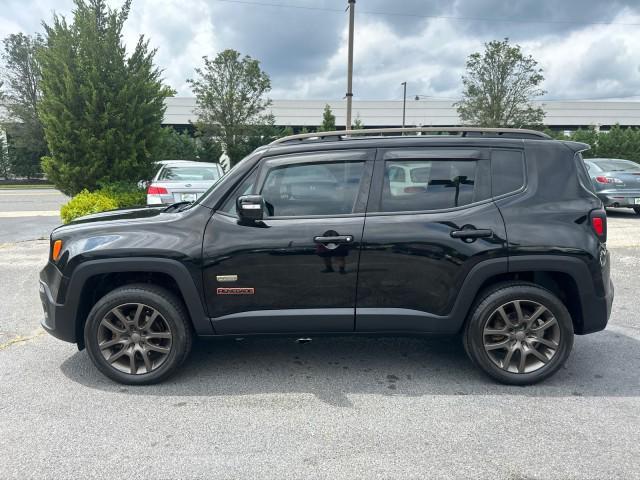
x=179, y=206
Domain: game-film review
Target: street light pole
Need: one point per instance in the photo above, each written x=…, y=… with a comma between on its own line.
x=404, y=102
x=352, y=5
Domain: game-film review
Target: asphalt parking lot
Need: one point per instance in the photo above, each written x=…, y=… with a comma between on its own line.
x=29, y=214
x=333, y=408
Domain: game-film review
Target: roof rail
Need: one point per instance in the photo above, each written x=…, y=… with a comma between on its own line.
x=462, y=131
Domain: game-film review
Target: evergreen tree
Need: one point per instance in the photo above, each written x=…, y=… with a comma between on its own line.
x=101, y=109
x=357, y=123
x=328, y=120
x=588, y=136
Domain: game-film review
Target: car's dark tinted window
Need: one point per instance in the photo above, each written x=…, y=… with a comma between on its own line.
x=245, y=188
x=431, y=185
x=312, y=189
x=507, y=171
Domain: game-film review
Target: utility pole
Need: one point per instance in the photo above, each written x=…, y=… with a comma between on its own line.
x=404, y=102
x=352, y=5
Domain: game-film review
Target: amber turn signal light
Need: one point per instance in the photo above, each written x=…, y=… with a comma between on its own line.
x=57, y=248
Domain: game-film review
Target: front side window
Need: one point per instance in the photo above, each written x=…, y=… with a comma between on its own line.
x=431, y=185
x=245, y=188
x=312, y=189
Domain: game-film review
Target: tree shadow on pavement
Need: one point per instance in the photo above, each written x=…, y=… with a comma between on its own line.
x=331, y=368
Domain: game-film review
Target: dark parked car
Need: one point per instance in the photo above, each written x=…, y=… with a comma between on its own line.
x=617, y=182
x=499, y=236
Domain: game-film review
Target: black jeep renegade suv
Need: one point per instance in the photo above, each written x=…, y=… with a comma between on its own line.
x=494, y=234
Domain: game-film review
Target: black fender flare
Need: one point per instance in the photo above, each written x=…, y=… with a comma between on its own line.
x=173, y=268
x=594, y=298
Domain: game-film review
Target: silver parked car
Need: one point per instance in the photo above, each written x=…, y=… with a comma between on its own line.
x=616, y=181
x=181, y=181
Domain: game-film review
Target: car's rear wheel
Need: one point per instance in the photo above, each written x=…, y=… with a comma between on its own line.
x=637, y=210
x=138, y=334
x=519, y=333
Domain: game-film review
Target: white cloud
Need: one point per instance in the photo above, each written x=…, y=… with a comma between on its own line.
x=181, y=35
x=305, y=51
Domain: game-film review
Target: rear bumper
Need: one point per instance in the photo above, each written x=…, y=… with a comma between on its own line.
x=596, y=311
x=623, y=198
x=57, y=320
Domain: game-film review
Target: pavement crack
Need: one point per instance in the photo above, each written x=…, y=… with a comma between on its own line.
x=22, y=339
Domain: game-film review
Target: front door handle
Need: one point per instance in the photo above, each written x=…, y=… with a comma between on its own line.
x=334, y=239
x=471, y=233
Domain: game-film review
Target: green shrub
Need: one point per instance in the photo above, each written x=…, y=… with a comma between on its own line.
x=86, y=203
x=125, y=194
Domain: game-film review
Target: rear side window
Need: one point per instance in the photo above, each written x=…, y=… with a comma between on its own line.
x=432, y=184
x=507, y=171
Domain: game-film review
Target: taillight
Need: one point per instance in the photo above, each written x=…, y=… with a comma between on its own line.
x=608, y=180
x=599, y=224
x=155, y=190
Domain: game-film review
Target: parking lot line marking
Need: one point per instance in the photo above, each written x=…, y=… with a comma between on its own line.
x=32, y=213
x=26, y=193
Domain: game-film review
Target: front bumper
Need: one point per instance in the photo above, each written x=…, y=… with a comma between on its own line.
x=622, y=198
x=57, y=320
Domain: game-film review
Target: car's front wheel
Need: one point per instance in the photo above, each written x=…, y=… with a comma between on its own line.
x=519, y=333
x=637, y=210
x=138, y=334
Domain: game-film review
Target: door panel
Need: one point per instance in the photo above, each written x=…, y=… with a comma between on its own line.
x=286, y=269
x=296, y=270
x=413, y=264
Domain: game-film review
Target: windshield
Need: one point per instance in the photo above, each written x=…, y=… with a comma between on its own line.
x=192, y=173
x=618, y=165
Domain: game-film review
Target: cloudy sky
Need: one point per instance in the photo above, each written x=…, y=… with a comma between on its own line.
x=589, y=49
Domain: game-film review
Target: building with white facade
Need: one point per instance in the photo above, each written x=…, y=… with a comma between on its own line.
x=560, y=115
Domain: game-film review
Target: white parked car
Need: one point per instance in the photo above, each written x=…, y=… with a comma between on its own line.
x=181, y=181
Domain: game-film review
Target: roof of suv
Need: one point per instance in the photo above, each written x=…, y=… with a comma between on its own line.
x=392, y=137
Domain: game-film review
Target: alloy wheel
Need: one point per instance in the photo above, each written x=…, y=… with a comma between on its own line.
x=521, y=336
x=134, y=338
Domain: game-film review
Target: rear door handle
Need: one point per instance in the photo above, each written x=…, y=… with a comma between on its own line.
x=471, y=233
x=334, y=239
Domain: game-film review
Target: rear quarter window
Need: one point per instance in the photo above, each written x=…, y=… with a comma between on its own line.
x=583, y=175
x=507, y=171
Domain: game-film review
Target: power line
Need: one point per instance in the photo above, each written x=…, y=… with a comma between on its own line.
x=416, y=15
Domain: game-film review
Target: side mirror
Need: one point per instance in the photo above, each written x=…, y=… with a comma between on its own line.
x=250, y=208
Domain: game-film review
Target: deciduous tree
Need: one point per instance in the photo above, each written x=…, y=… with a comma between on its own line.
x=21, y=72
x=499, y=86
x=231, y=97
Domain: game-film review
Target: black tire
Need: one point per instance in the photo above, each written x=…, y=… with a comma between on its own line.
x=637, y=210
x=528, y=295
x=171, y=311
